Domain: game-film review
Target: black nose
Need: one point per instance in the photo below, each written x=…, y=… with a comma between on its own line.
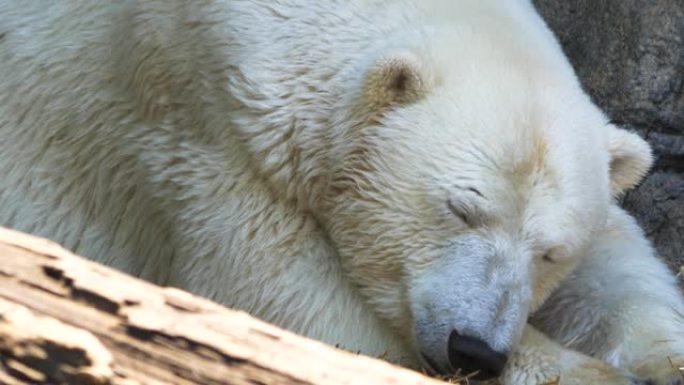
x=472, y=355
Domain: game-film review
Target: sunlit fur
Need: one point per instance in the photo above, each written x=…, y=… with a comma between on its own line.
x=374, y=174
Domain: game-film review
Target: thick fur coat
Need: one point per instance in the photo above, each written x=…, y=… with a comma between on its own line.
x=400, y=177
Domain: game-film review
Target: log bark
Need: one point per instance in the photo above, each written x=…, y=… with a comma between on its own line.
x=67, y=320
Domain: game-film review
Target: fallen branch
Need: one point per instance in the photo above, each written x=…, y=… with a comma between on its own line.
x=64, y=319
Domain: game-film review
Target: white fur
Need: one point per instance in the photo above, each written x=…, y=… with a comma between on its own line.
x=370, y=173
x=622, y=305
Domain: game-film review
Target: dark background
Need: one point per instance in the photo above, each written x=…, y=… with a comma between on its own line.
x=629, y=55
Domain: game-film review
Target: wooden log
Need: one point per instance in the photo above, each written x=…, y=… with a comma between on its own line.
x=67, y=320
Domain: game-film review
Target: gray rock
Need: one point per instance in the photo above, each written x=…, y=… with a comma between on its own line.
x=659, y=205
x=629, y=55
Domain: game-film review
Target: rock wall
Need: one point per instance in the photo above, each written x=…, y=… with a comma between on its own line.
x=629, y=55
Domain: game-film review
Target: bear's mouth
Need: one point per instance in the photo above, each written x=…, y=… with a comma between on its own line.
x=435, y=370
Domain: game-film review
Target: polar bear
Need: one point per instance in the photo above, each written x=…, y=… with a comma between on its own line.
x=420, y=179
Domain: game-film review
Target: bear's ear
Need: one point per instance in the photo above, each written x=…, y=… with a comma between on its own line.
x=630, y=160
x=398, y=78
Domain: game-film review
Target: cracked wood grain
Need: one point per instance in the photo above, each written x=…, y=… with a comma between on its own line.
x=27, y=342
x=67, y=320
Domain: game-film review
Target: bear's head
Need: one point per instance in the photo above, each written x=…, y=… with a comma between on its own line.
x=470, y=184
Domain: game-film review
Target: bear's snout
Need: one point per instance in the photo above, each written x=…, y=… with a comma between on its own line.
x=473, y=355
x=470, y=308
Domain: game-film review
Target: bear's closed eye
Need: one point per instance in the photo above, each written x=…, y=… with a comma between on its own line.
x=460, y=212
